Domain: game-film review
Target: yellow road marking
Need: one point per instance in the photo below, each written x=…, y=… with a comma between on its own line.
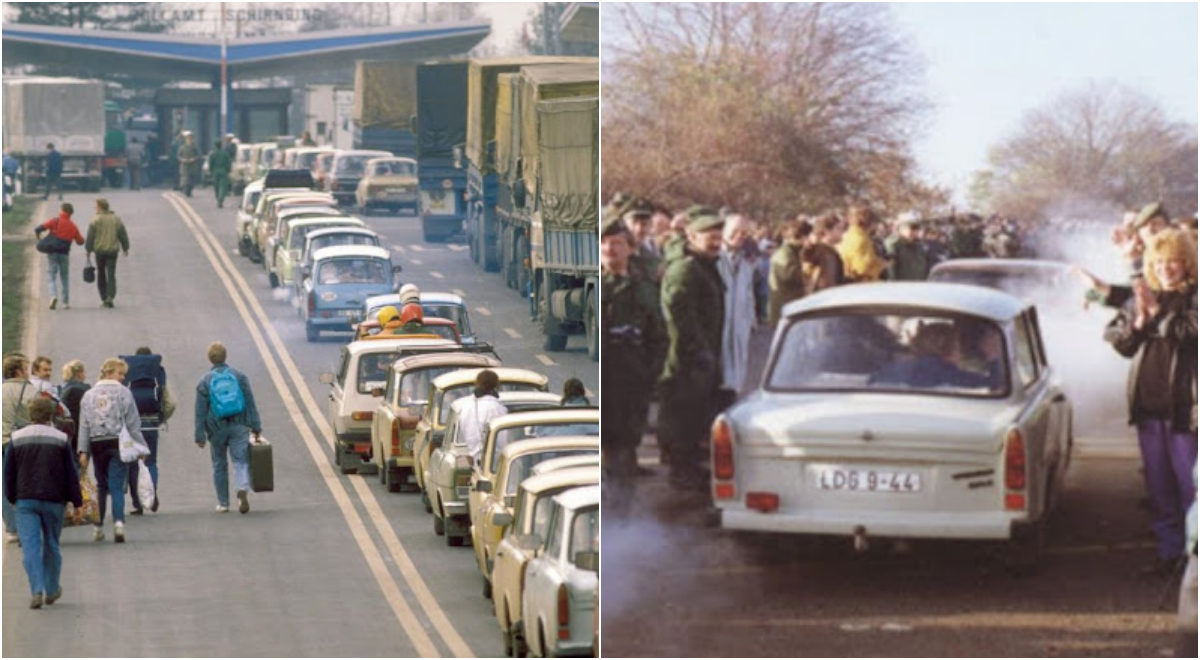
x=407, y=569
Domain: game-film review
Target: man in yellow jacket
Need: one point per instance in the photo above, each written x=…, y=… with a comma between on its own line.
x=862, y=263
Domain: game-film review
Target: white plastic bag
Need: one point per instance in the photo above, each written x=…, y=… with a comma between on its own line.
x=145, y=486
x=129, y=447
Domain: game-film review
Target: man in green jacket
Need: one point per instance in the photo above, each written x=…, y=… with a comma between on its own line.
x=693, y=301
x=106, y=237
x=220, y=164
x=786, y=278
x=189, y=163
x=909, y=261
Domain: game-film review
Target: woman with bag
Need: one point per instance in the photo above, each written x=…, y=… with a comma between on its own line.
x=57, y=246
x=110, y=434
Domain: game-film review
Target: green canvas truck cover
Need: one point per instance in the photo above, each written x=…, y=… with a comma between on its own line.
x=569, y=155
x=385, y=94
x=441, y=108
x=483, y=85
x=508, y=132
x=543, y=83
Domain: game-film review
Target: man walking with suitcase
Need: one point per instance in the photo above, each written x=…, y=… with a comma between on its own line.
x=226, y=416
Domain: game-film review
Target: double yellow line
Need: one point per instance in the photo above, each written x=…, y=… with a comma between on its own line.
x=249, y=309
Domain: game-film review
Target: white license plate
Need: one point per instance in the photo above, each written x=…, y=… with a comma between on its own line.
x=870, y=480
x=347, y=312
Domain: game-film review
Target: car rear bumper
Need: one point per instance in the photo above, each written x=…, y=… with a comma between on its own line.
x=979, y=526
x=334, y=322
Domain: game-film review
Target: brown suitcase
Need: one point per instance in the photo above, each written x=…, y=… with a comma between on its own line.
x=262, y=468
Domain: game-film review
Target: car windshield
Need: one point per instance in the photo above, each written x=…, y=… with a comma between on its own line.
x=414, y=384
x=353, y=271
x=394, y=168
x=372, y=370
x=342, y=239
x=514, y=433
x=300, y=231
x=904, y=351
x=268, y=155
x=585, y=532
x=351, y=164
x=522, y=466
x=455, y=393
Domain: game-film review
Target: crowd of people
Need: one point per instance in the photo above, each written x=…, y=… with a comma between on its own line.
x=682, y=294
x=52, y=433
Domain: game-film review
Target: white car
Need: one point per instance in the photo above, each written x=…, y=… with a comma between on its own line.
x=245, y=217
x=559, y=600
x=900, y=410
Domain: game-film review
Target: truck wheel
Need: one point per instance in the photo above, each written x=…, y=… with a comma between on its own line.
x=507, y=258
x=555, y=339
x=522, y=275
x=593, y=331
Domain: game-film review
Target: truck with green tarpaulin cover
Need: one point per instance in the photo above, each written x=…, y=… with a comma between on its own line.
x=441, y=126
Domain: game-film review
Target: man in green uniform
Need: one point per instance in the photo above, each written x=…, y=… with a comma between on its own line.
x=689, y=393
x=189, y=163
x=909, y=261
x=220, y=164
x=786, y=278
x=637, y=220
x=632, y=342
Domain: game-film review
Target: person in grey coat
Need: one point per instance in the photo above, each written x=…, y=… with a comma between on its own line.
x=104, y=409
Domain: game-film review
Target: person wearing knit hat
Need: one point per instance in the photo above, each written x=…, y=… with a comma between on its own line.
x=1156, y=328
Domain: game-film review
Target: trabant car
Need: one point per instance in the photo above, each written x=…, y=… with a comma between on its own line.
x=523, y=539
x=346, y=170
x=445, y=391
x=389, y=183
x=253, y=216
x=441, y=305
x=511, y=429
x=321, y=168
x=285, y=253
x=245, y=215
x=903, y=410
x=342, y=277
x=447, y=472
x=305, y=158
x=405, y=401
x=316, y=239
x=266, y=216
x=239, y=175
x=559, y=599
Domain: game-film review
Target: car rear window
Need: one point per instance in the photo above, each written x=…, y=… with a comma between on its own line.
x=394, y=168
x=455, y=393
x=515, y=433
x=351, y=164
x=372, y=370
x=299, y=232
x=522, y=466
x=414, y=384
x=900, y=351
x=342, y=239
x=585, y=532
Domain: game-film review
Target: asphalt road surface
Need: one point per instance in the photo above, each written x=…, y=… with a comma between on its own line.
x=674, y=587
x=327, y=564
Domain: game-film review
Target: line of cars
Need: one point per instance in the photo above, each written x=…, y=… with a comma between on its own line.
x=526, y=499
x=366, y=178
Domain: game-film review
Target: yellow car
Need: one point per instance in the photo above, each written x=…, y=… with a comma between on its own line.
x=389, y=183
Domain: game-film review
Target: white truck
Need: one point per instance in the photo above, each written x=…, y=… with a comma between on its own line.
x=327, y=112
x=65, y=112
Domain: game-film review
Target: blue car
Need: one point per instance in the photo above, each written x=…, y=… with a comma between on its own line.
x=342, y=278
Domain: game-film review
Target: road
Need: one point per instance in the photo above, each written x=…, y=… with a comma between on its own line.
x=327, y=564
x=674, y=587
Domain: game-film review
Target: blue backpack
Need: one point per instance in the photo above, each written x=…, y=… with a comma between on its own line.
x=225, y=397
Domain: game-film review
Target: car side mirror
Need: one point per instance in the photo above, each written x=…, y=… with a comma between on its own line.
x=501, y=519
x=529, y=542
x=587, y=560
x=483, y=486
x=326, y=378
x=377, y=392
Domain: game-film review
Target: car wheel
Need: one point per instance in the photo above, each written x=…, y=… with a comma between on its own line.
x=487, y=588
x=273, y=279
x=439, y=524
x=453, y=540
x=393, y=480
x=426, y=503
x=383, y=474
x=337, y=454
x=311, y=333
x=593, y=330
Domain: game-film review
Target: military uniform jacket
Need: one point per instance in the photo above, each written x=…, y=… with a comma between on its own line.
x=189, y=153
x=693, y=301
x=786, y=280
x=633, y=338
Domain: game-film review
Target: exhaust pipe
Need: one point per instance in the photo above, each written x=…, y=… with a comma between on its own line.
x=860, y=540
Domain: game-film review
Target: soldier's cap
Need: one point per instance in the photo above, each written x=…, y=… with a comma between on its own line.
x=1148, y=213
x=638, y=208
x=613, y=227
x=703, y=218
x=908, y=218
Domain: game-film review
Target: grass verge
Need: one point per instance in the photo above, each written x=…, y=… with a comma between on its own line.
x=15, y=280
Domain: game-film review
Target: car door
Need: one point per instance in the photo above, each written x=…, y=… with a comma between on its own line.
x=337, y=392
x=1036, y=421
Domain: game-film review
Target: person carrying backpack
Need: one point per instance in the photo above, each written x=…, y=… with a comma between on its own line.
x=226, y=416
x=147, y=380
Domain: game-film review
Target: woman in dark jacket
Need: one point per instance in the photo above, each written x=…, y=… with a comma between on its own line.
x=70, y=393
x=1157, y=329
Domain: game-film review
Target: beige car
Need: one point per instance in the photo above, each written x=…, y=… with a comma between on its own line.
x=502, y=432
x=389, y=183
x=262, y=227
x=446, y=390
x=522, y=541
x=288, y=242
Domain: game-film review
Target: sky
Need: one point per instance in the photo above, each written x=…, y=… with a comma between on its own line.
x=987, y=64
x=507, y=18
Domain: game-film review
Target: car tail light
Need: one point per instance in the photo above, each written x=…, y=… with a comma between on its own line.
x=1014, y=471
x=361, y=416
x=722, y=450
x=564, y=613
x=312, y=302
x=764, y=502
x=395, y=436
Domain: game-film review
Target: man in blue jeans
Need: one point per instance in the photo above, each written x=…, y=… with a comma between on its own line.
x=39, y=478
x=229, y=434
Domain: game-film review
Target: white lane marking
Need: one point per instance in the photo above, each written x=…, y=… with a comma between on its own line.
x=404, y=564
x=436, y=275
x=457, y=248
x=545, y=359
x=458, y=292
x=484, y=311
x=398, y=248
x=512, y=333
x=416, y=262
x=417, y=248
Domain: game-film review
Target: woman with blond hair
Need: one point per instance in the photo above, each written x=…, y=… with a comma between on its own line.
x=1156, y=327
x=104, y=410
x=70, y=393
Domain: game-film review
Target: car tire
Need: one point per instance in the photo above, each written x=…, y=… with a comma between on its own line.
x=453, y=540
x=439, y=525
x=311, y=333
x=273, y=279
x=426, y=503
x=487, y=588
x=393, y=482
x=383, y=474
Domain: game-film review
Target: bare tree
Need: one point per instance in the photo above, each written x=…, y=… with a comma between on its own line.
x=1104, y=142
x=771, y=108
